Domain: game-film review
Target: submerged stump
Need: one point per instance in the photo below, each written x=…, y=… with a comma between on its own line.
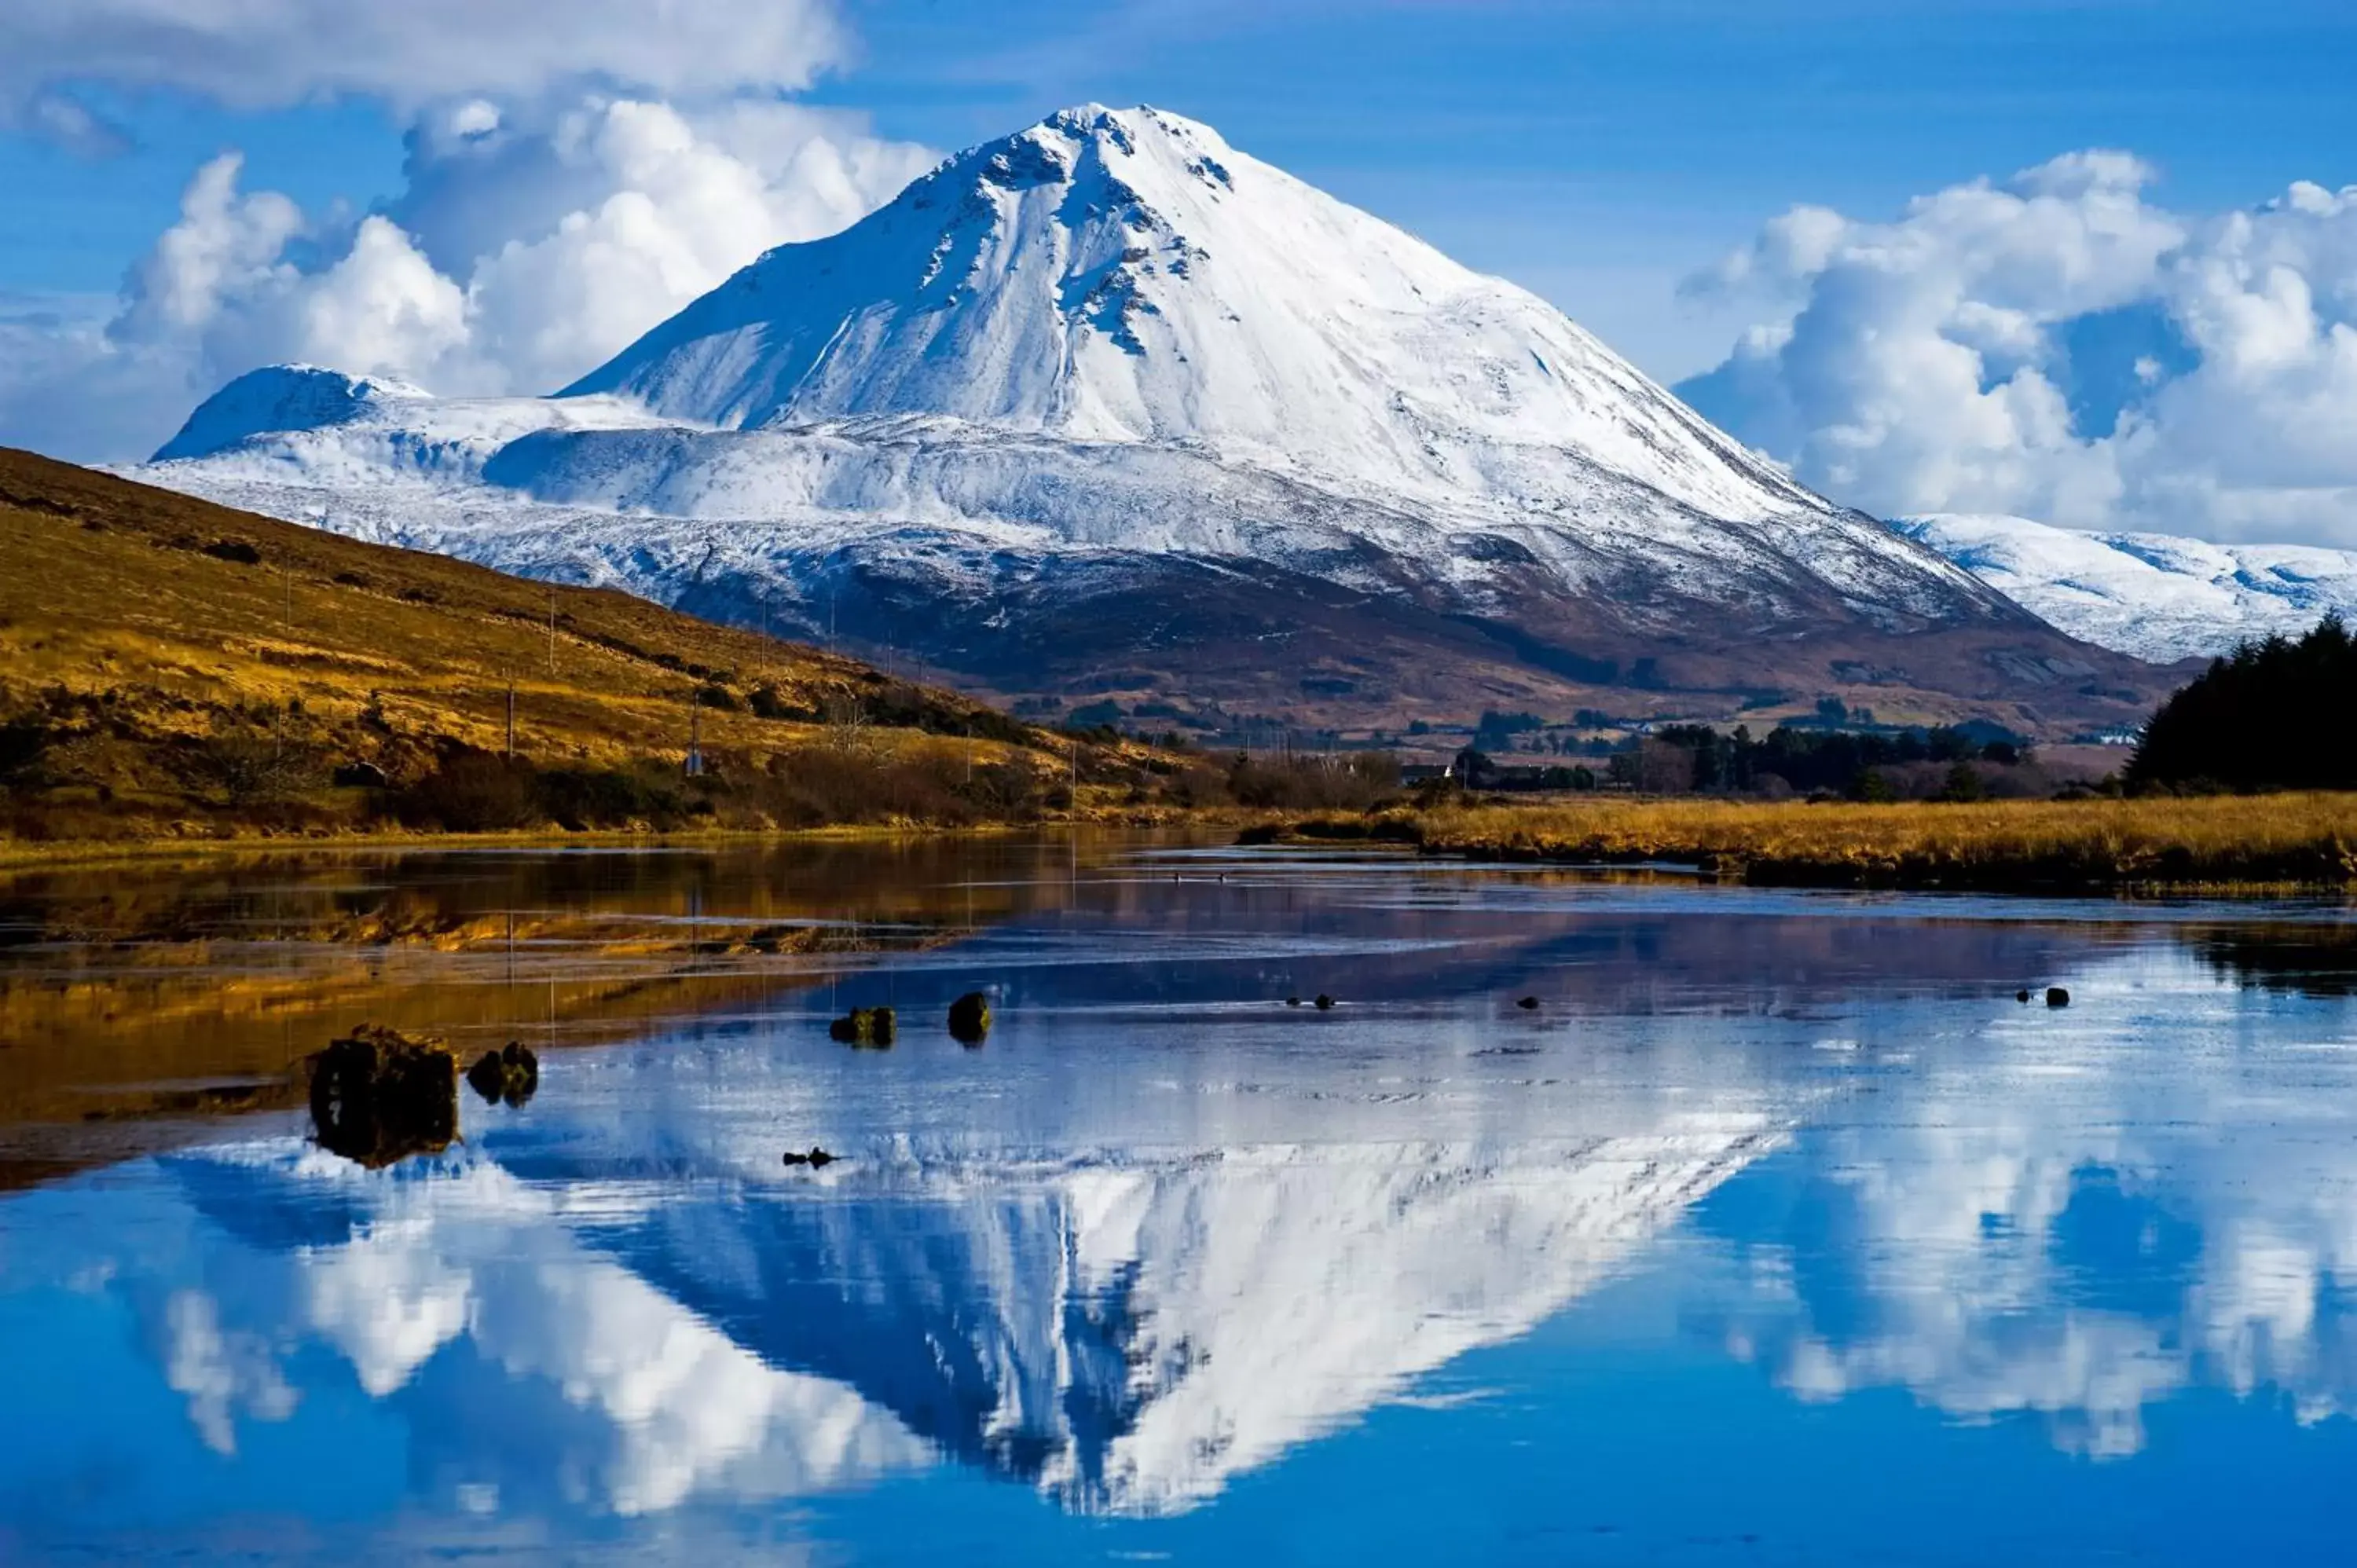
x=970, y=1018
x=379, y=1095
x=872, y=1028
x=511, y=1074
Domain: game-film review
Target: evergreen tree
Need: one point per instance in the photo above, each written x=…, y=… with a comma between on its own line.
x=2270, y=715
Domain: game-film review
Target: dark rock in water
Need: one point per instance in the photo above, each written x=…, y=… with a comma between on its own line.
x=2021, y=996
x=872, y=1027
x=970, y=1018
x=379, y=1095
x=511, y=1074
x=1325, y=1003
x=2057, y=997
x=816, y=1159
x=361, y=776
x=1528, y=1004
x=1293, y=1002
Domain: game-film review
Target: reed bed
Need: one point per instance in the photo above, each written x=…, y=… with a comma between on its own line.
x=2290, y=840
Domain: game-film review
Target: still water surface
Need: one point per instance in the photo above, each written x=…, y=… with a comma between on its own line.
x=1778, y=1232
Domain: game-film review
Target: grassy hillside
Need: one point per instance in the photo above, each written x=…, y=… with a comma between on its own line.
x=171, y=667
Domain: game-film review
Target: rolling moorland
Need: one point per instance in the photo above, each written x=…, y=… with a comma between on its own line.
x=172, y=668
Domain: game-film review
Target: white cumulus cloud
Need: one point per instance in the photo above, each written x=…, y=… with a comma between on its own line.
x=270, y=53
x=2061, y=347
x=527, y=248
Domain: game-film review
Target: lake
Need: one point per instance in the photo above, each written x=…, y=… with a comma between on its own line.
x=1777, y=1230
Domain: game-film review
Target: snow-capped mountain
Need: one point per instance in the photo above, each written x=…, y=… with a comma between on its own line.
x=1109, y=405
x=2154, y=596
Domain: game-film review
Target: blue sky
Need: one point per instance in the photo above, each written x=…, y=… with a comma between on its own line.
x=1594, y=152
x=1602, y=154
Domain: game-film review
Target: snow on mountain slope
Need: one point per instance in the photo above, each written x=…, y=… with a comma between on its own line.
x=1112, y=345
x=2154, y=596
x=1128, y=277
x=281, y=397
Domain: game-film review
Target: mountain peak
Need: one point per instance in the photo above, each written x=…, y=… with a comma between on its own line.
x=1125, y=275
x=279, y=398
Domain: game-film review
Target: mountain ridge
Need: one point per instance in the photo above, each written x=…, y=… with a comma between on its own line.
x=2157, y=596
x=1109, y=374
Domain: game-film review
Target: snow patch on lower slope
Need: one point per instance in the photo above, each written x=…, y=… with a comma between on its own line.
x=594, y=489
x=2153, y=596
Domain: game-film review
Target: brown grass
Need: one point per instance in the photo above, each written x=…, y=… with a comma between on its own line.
x=177, y=637
x=2309, y=840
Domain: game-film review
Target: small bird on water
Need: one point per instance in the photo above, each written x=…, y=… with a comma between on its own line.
x=816, y=1159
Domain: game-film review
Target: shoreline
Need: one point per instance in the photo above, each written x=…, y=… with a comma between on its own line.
x=2239, y=846
x=19, y=855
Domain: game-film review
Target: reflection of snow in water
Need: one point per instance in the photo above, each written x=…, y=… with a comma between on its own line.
x=1129, y=1262
x=1128, y=1336
x=661, y=1405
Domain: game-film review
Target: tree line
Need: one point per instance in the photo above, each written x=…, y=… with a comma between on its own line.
x=2266, y=716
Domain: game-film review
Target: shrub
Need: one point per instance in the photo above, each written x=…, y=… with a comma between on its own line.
x=472, y=792
x=237, y=552
x=1351, y=782
x=23, y=743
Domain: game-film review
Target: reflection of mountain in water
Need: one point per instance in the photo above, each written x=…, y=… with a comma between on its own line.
x=2316, y=959
x=1129, y=1335
x=1126, y=1335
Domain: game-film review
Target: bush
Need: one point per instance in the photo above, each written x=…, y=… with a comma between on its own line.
x=473, y=792
x=1351, y=781
x=250, y=766
x=767, y=704
x=717, y=696
x=237, y=552
x=23, y=743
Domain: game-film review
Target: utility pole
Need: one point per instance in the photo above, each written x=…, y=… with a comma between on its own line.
x=286, y=575
x=551, y=631
x=510, y=718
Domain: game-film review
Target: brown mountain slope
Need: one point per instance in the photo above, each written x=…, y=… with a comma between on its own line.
x=170, y=665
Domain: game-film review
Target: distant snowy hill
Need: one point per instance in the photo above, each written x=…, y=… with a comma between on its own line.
x=2153, y=596
x=1110, y=407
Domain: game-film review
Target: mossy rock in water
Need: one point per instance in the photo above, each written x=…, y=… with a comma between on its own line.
x=511, y=1074
x=872, y=1027
x=970, y=1018
x=379, y=1095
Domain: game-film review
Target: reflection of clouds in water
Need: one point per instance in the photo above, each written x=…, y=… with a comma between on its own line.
x=223, y=1374
x=2066, y=1232
x=1127, y=1334
x=386, y=1300
x=652, y=1406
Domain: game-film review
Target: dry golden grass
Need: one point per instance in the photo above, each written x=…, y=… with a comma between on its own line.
x=105, y=585
x=191, y=620
x=2305, y=839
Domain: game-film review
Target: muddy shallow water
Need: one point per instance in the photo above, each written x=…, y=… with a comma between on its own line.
x=1778, y=1231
